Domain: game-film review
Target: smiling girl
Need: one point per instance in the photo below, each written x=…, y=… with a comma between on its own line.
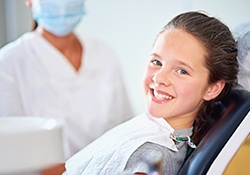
x=193, y=64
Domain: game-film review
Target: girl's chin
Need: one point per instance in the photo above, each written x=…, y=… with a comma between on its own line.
x=155, y=114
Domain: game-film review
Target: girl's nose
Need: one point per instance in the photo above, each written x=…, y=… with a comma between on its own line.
x=161, y=78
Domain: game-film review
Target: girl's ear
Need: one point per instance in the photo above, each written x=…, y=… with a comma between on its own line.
x=214, y=90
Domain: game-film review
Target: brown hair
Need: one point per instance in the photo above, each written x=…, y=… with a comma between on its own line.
x=221, y=57
x=34, y=25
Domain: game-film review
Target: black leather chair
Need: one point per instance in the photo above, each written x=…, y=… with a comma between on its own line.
x=233, y=110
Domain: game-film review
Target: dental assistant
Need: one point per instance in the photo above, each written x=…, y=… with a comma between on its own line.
x=53, y=72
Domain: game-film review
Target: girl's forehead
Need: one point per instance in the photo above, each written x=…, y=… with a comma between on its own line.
x=181, y=45
x=182, y=34
x=181, y=40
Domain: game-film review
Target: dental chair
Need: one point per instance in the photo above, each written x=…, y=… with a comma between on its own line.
x=223, y=139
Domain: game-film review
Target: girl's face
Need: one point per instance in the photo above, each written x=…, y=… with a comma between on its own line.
x=176, y=79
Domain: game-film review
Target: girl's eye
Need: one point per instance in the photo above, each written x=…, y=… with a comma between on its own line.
x=182, y=71
x=156, y=62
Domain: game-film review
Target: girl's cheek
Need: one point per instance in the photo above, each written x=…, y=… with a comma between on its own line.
x=185, y=89
x=147, y=75
x=146, y=81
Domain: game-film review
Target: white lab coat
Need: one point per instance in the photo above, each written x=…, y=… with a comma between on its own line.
x=109, y=154
x=37, y=80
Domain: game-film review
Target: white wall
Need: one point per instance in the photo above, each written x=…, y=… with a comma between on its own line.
x=130, y=26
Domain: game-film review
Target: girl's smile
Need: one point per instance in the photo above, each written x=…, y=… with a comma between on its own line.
x=159, y=96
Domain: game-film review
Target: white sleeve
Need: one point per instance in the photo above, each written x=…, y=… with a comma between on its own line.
x=10, y=103
x=65, y=173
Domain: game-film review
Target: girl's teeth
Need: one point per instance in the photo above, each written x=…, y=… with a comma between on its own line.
x=162, y=96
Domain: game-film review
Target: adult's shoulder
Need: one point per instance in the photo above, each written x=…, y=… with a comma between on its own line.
x=16, y=49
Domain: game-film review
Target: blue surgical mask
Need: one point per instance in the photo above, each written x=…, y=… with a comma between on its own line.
x=59, y=17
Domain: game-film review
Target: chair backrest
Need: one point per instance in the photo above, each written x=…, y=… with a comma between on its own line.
x=235, y=108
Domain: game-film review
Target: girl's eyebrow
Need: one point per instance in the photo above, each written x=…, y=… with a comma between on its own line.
x=156, y=55
x=179, y=62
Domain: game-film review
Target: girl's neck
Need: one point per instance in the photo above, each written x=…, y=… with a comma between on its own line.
x=179, y=123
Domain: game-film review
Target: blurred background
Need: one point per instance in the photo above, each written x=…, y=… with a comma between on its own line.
x=129, y=26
